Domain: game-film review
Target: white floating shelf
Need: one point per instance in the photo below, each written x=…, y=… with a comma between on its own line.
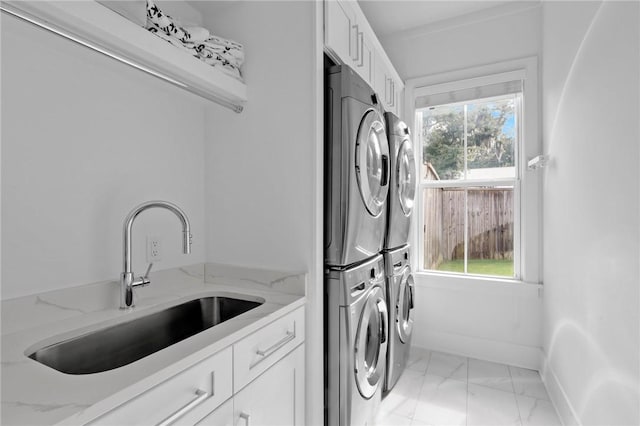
x=102, y=29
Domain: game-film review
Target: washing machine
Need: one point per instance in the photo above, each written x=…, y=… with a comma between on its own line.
x=356, y=338
x=400, y=300
x=356, y=169
x=402, y=187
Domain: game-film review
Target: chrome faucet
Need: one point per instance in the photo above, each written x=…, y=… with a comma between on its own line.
x=127, y=279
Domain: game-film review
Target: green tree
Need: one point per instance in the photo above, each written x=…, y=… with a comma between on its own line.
x=487, y=143
x=443, y=130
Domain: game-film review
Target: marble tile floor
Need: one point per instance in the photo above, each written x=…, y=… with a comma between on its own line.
x=441, y=389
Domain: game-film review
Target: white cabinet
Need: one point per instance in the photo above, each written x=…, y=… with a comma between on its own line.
x=221, y=416
x=260, y=350
x=366, y=59
x=187, y=396
x=259, y=380
x=276, y=397
x=388, y=86
x=340, y=29
x=349, y=40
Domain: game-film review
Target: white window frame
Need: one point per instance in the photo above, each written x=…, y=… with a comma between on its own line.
x=527, y=238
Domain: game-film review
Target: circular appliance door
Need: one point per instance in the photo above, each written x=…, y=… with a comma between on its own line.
x=406, y=177
x=371, y=344
x=372, y=162
x=404, y=306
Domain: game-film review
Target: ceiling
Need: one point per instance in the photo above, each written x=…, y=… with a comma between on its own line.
x=392, y=16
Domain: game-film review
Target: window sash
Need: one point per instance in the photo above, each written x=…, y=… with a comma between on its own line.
x=466, y=183
x=515, y=187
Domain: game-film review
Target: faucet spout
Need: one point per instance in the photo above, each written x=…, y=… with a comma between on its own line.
x=127, y=280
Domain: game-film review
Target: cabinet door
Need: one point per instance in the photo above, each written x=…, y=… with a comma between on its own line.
x=276, y=397
x=399, y=98
x=393, y=96
x=365, y=67
x=221, y=416
x=339, y=31
x=379, y=78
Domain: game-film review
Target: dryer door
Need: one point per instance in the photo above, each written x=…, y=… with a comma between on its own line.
x=370, y=345
x=404, y=306
x=372, y=162
x=406, y=177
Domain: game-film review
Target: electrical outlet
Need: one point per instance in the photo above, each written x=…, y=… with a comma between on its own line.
x=154, y=249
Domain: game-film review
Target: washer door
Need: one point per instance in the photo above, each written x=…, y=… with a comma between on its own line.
x=404, y=306
x=372, y=162
x=406, y=177
x=371, y=344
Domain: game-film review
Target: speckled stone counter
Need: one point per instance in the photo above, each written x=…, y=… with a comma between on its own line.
x=34, y=394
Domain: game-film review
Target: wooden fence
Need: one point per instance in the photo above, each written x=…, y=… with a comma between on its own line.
x=490, y=222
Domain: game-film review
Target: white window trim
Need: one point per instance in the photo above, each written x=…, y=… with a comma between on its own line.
x=528, y=256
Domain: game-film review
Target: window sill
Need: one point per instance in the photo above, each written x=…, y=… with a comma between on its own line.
x=461, y=281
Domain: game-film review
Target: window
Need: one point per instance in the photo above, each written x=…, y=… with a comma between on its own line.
x=478, y=212
x=468, y=180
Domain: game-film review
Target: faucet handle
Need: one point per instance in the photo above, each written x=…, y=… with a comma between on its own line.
x=143, y=281
x=146, y=274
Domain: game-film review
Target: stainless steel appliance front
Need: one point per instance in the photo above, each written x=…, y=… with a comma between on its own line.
x=356, y=170
x=401, y=300
x=402, y=185
x=356, y=342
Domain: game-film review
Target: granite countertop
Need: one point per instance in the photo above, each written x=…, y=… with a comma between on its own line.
x=34, y=394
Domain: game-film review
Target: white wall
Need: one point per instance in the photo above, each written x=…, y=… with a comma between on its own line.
x=84, y=140
x=259, y=164
x=264, y=166
x=591, y=211
x=485, y=318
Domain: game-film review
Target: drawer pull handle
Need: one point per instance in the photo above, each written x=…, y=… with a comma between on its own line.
x=286, y=339
x=245, y=417
x=199, y=399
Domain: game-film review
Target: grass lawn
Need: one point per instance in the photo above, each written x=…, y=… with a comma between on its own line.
x=502, y=268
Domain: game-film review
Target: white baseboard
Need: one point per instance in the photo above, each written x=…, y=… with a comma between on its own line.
x=474, y=347
x=557, y=394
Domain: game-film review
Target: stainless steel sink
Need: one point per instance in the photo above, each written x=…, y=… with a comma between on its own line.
x=124, y=343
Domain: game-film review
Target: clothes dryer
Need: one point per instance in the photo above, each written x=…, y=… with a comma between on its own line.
x=402, y=186
x=356, y=169
x=400, y=301
x=355, y=343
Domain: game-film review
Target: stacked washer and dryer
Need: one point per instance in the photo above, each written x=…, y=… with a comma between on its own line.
x=356, y=187
x=400, y=286
x=363, y=229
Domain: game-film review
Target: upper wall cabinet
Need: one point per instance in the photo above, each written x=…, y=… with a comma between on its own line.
x=340, y=33
x=349, y=39
x=107, y=32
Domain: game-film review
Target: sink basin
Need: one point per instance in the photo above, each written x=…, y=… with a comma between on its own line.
x=124, y=343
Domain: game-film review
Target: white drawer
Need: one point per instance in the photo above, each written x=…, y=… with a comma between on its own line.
x=260, y=350
x=187, y=396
